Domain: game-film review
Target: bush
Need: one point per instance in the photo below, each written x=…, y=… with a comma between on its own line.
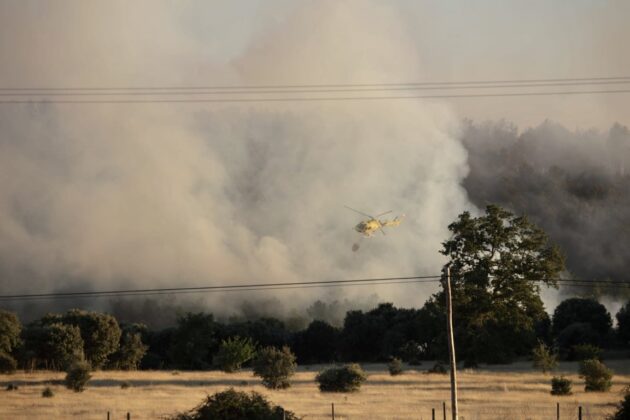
x=7, y=363
x=125, y=385
x=48, y=393
x=236, y=405
x=586, y=352
x=233, y=352
x=560, y=386
x=623, y=408
x=346, y=378
x=597, y=376
x=12, y=387
x=438, y=368
x=77, y=376
x=543, y=358
x=275, y=367
x=395, y=366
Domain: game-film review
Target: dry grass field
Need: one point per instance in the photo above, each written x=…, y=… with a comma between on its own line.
x=503, y=392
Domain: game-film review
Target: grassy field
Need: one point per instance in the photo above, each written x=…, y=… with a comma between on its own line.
x=501, y=392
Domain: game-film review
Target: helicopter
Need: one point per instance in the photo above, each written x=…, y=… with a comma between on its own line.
x=368, y=227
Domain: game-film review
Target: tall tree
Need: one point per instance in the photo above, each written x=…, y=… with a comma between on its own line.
x=498, y=263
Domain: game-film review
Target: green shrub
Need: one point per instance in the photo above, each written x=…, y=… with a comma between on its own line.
x=236, y=405
x=544, y=358
x=77, y=376
x=395, y=366
x=275, y=367
x=12, y=387
x=560, y=386
x=125, y=385
x=346, y=378
x=233, y=352
x=623, y=408
x=586, y=352
x=48, y=393
x=597, y=376
x=7, y=363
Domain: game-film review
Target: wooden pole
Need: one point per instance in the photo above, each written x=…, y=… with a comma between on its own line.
x=128, y=416
x=433, y=414
x=451, y=342
x=108, y=415
x=333, y=410
x=444, y=409
x=580, y=413
x=557, y=411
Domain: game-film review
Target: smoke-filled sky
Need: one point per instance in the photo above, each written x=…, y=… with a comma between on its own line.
x=107, y=196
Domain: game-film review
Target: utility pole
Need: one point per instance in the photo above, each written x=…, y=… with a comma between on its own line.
x=451, y=341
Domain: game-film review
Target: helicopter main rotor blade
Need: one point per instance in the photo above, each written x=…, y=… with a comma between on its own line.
x=383, y=214
x=360, y=212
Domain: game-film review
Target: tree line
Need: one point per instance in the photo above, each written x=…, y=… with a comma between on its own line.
x=58, y=340
x=498, y=263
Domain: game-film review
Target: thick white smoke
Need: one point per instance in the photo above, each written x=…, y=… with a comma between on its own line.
x=103, y=196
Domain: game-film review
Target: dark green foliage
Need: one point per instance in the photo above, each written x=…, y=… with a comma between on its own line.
x=7, y=363
x=130, y=351
x=48, y=393
x=275, y=367
x=498, y=262
x=100, y=333
x=573, y=335
x=78, y=376
x=544, y=359
x=346, y=378
x=597, y=376
x=395, y=366
x=317, y=343
x=383, y=331
x=560, y=385
x=10, y=328
x=623, y=324
x=12, y=387
x=438, y=368
x=194, y=341
x=62, y=345
x=125, y=385
x=586, y=352
x=233, y=352
x=623, y=408
x=236, y=405
x=582, y=310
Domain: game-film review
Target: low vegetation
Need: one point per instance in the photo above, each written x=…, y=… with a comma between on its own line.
x=544, y=358
x=78, y=376
x=48, y=392
x=597, y=376
x=346, y=378
x=235, y=405
x=233, y=352
x=395, y=366
x=275, y=367
x=561, y=385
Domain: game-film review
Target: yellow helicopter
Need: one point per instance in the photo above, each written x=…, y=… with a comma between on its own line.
x=368, y=227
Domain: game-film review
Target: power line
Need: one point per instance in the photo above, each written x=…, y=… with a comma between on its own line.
x=222, y=288
x=323, y=86
x=312, y=99
x=215, y=91
x=279, y=286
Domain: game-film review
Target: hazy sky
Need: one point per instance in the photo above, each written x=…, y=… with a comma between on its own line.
x=186, y=42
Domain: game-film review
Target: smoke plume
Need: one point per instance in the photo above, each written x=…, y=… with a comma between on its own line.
x=109, y=196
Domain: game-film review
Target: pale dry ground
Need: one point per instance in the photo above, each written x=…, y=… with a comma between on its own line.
x=505, y=392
